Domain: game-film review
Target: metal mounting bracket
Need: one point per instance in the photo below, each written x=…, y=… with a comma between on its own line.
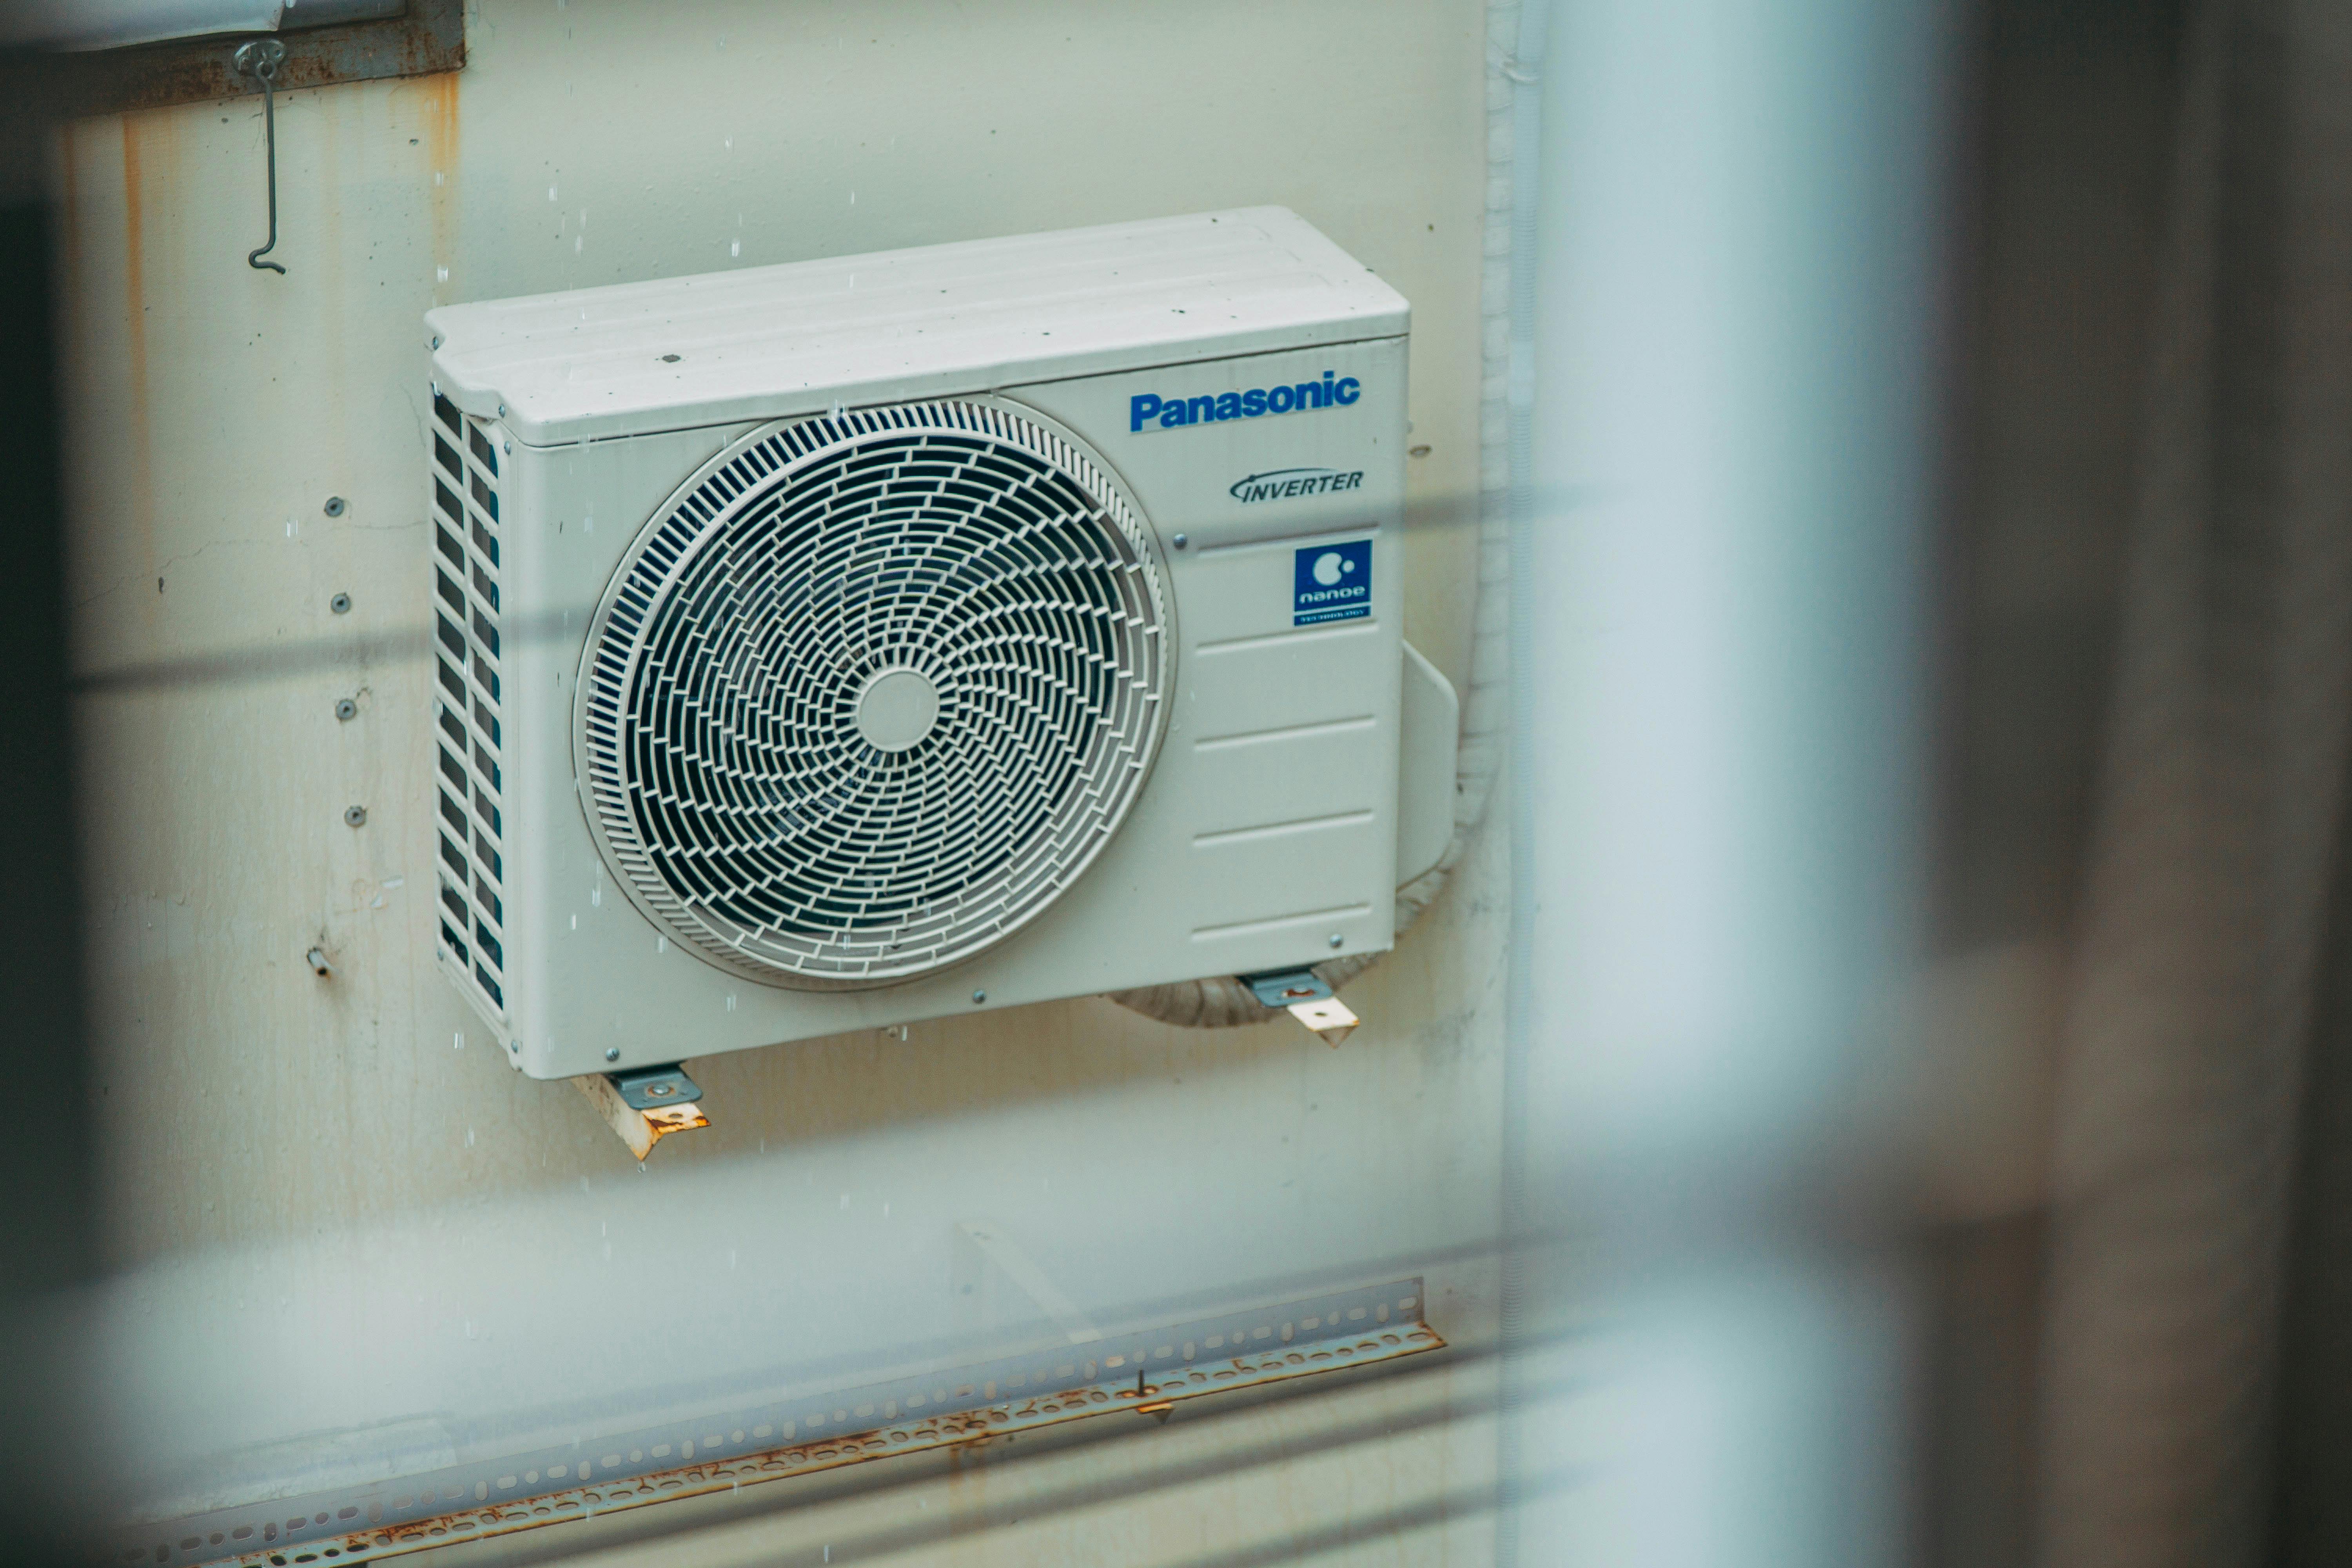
x=644, y=1105
x=1309, y=998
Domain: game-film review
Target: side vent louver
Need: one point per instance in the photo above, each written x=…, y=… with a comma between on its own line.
x=467, y=701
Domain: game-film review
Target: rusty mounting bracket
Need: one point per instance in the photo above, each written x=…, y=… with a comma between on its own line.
x=644, y=1105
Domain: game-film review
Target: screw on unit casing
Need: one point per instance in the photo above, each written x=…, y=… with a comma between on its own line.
x=611, y=1053
x=334, y=506
x=341, y=603
x=355, y=817
x=1337, y=939
x=1180, y=542
x=980, y=995
x=346, y=710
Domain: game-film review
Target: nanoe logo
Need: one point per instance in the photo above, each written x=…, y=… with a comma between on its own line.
x=1148, y=408
x=1283, y=484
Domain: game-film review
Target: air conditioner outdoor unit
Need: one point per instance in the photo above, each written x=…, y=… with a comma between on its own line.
x=842, y=644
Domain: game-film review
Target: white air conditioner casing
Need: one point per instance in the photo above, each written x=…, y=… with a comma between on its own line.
x=848, y=643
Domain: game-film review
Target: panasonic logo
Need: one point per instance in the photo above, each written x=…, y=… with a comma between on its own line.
x=1146, y=409
x=1283, y=484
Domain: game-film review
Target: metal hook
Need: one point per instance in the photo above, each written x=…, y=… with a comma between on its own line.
x=261, y=59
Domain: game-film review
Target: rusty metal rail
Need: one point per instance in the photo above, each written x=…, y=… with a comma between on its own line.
x=1143, y=1372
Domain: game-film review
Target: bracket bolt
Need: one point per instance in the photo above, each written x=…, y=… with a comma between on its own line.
x=341, y=603
x=334, y=506
x=346, y=710
x=355, y=817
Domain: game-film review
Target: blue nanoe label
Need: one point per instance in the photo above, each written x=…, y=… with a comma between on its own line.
x=1331, y=582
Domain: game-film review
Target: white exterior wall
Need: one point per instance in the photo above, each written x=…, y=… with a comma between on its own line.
x=318, y=1190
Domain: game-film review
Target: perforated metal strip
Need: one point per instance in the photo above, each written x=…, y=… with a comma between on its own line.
x=789, y=1433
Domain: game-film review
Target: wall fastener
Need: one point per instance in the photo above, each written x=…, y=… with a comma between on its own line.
x=355, y=817
x=346, y=710
x=341, y=603
x=334, y=506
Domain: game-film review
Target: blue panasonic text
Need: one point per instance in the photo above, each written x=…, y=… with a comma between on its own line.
x=1146, y=409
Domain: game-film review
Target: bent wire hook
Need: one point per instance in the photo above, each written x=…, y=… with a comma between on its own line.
x=261, y=59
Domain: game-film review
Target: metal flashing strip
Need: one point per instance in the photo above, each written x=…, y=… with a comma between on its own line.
x=423, y=37
x=1143, y=1370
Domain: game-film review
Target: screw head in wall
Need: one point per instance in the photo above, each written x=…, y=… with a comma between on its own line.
x=334, y=506
x=980, y=995
x=355, y=817
x=611, y=1053
x=346, y=710
x=341, y=603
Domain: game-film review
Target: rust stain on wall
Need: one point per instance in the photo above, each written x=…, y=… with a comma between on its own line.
x=137, y=408
x=441, y=149
x=134, y=267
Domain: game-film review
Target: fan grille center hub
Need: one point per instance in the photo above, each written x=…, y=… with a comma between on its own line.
x=897, y=710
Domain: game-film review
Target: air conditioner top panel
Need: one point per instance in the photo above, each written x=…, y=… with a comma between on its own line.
x=972, y=317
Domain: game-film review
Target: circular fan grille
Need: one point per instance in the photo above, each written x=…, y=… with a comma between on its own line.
x=874, y=691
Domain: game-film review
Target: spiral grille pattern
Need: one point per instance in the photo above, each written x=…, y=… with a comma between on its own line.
x=873, y=692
